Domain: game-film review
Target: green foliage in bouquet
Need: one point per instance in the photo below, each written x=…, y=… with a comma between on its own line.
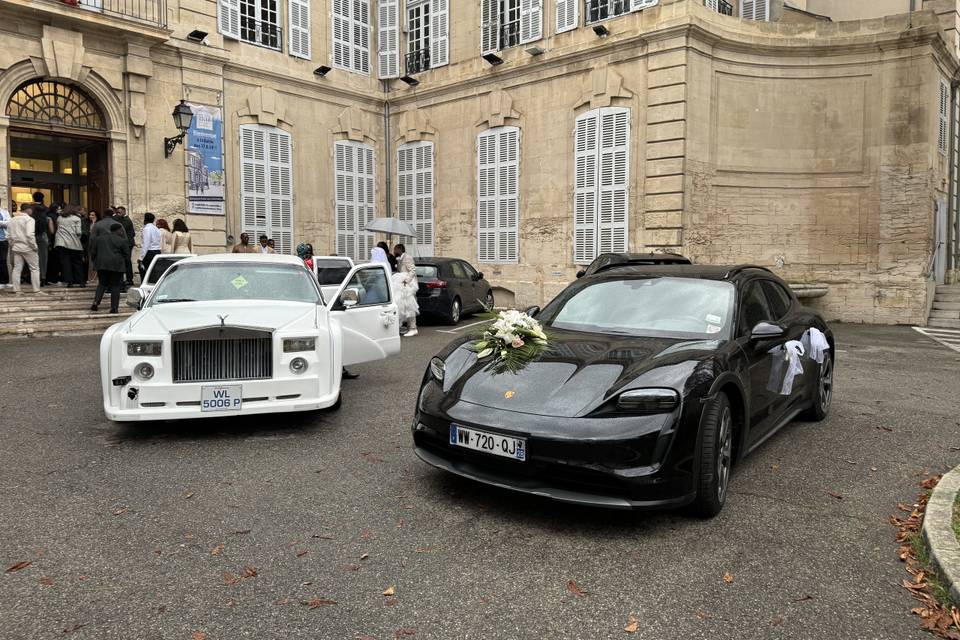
x=511, y=342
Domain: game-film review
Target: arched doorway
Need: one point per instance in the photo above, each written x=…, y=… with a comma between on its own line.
x=58, y=145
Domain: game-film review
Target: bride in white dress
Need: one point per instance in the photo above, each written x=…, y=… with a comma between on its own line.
x=405, y=286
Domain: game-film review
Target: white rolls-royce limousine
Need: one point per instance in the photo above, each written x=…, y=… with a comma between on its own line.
x=238, y=334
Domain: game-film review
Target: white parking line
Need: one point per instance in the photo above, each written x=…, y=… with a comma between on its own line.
x=950, y=338
x=466, y=326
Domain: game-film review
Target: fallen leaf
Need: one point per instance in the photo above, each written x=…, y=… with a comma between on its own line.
x=300, y=554
x=391, y=590
x=249, y=572
x=188, y=536
x=632, y=624
x=306, y=584
x=82, y=578
x=573, y=588
x=400, y=523
x=120, y=511
x=229, y=578
x=834, y=494
x=873, y=468
x=774, y=467
x=882, y=428
x=75, y=627
x=159, y=552
x=703, y=615
x=776, y=621
x=351, y=567
x=318, y=602
x=366, y=534
x=391, y=602
x=365, y=556
x=161, y=610
x=198, y=635
x=217, y=549
x=803, y=598
x=40, y=553
x=188, y=495
x=728, y=577
x=403, y=633
x=231, y=604
x=47, y=581
x=241, y=532
x=23, y=564
x=283, y=601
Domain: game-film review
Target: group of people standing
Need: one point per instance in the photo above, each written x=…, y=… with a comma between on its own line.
x=65, y=245
x=404, y=281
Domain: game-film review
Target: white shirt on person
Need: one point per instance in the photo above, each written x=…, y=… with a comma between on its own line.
x=151, y=239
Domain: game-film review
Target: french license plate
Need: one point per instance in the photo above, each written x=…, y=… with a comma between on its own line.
x=504, y=446
x=221, y=398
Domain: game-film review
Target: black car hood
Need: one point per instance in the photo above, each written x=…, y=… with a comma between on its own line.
x=579, y=374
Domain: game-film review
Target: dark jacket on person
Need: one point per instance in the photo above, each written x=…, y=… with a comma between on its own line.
x=128, y=229
x=41, y=219
x=101, y=228
x=109, y=252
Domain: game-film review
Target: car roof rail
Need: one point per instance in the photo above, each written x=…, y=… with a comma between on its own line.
x=743, y=267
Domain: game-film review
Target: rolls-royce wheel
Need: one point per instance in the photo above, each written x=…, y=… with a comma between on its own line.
x=716, y=458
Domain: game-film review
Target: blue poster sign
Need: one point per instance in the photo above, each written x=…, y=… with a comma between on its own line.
x=204, y=153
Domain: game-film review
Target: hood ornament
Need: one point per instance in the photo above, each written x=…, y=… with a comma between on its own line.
x=223, y=321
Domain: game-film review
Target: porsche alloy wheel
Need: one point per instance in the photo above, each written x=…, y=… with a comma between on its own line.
x=716, y=457
x=823, y=393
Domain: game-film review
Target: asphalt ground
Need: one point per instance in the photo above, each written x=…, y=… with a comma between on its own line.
x=144, y=531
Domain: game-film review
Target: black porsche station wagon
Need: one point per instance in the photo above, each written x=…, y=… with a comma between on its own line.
x=658, y=379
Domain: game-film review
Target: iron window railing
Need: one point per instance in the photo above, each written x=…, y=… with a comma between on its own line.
x=417, y=61
x=510, y=34
x=261, y=32
x=724, y=8
x=598, y=10
x=152, y=12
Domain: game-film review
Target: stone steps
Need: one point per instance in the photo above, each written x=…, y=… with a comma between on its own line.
x=949, y=314
x=61, y=312
x=948, y=289
x=943, y=323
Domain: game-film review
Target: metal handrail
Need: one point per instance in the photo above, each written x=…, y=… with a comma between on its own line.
x=417, y=61
x=260, y=32
x=153, y=12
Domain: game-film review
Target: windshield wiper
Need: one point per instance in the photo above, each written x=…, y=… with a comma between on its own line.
x=175, y=300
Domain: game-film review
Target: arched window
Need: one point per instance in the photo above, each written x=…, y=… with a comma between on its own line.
x=54, y=103
x=601, y=179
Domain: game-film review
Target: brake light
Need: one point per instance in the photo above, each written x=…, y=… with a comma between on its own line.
x=436, y=284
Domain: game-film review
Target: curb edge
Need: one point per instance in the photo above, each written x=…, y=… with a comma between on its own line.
x=938, y=531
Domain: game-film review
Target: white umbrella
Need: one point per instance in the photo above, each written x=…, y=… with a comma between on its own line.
x=391, y=226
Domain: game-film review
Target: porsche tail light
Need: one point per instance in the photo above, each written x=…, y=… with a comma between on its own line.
x=648, y=400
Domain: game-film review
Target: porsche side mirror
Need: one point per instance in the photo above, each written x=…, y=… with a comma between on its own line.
x=135, y=298
x=766, y=331
x=532, y=311
x=581, y=273
x=350, y=298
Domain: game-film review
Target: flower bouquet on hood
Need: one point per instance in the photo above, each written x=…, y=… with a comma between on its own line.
x=513, y=340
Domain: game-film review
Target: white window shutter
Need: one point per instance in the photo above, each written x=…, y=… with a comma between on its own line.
x=755, y=10
x=415, y=192
x=298, y=18
x=439, y=33
x=614, y=178
x=585, y=143
x=640, y=5
x=388, y=39
x=266, y=184
x=361, y=36
x=531, y=20
x=712, y=4
x=342, y=35
x=944, y=133
x=568, y=15
x=498, y=195
x=489, y=26
x=354, y=198
x=228, y=22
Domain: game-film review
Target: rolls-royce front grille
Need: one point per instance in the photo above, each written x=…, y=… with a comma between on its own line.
x=221, y=360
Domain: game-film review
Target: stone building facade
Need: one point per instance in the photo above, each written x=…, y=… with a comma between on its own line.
x=523, y=138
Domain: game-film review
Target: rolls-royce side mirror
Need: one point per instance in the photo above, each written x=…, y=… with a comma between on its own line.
x=135, y=298
x=581, y=273
x=350, y=298
x=767, y=331
x=532, y=311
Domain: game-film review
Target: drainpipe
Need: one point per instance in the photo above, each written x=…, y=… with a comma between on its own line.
x=953, y=216
x=388, y=161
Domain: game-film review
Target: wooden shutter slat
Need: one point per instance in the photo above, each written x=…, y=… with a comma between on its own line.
x=388, y=39
x=228, y=19
x=439, y=33
x=489, y=26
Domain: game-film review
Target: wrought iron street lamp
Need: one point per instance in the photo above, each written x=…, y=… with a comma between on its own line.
x=182, y=117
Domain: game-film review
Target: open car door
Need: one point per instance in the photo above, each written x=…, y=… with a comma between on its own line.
x=367, y=314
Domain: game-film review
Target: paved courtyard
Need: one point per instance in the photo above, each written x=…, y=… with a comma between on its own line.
x=156, y=531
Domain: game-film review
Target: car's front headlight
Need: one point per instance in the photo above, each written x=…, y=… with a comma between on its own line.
x=144, y=348
x=293, y=345
x=437, y=369
x=648, y=400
